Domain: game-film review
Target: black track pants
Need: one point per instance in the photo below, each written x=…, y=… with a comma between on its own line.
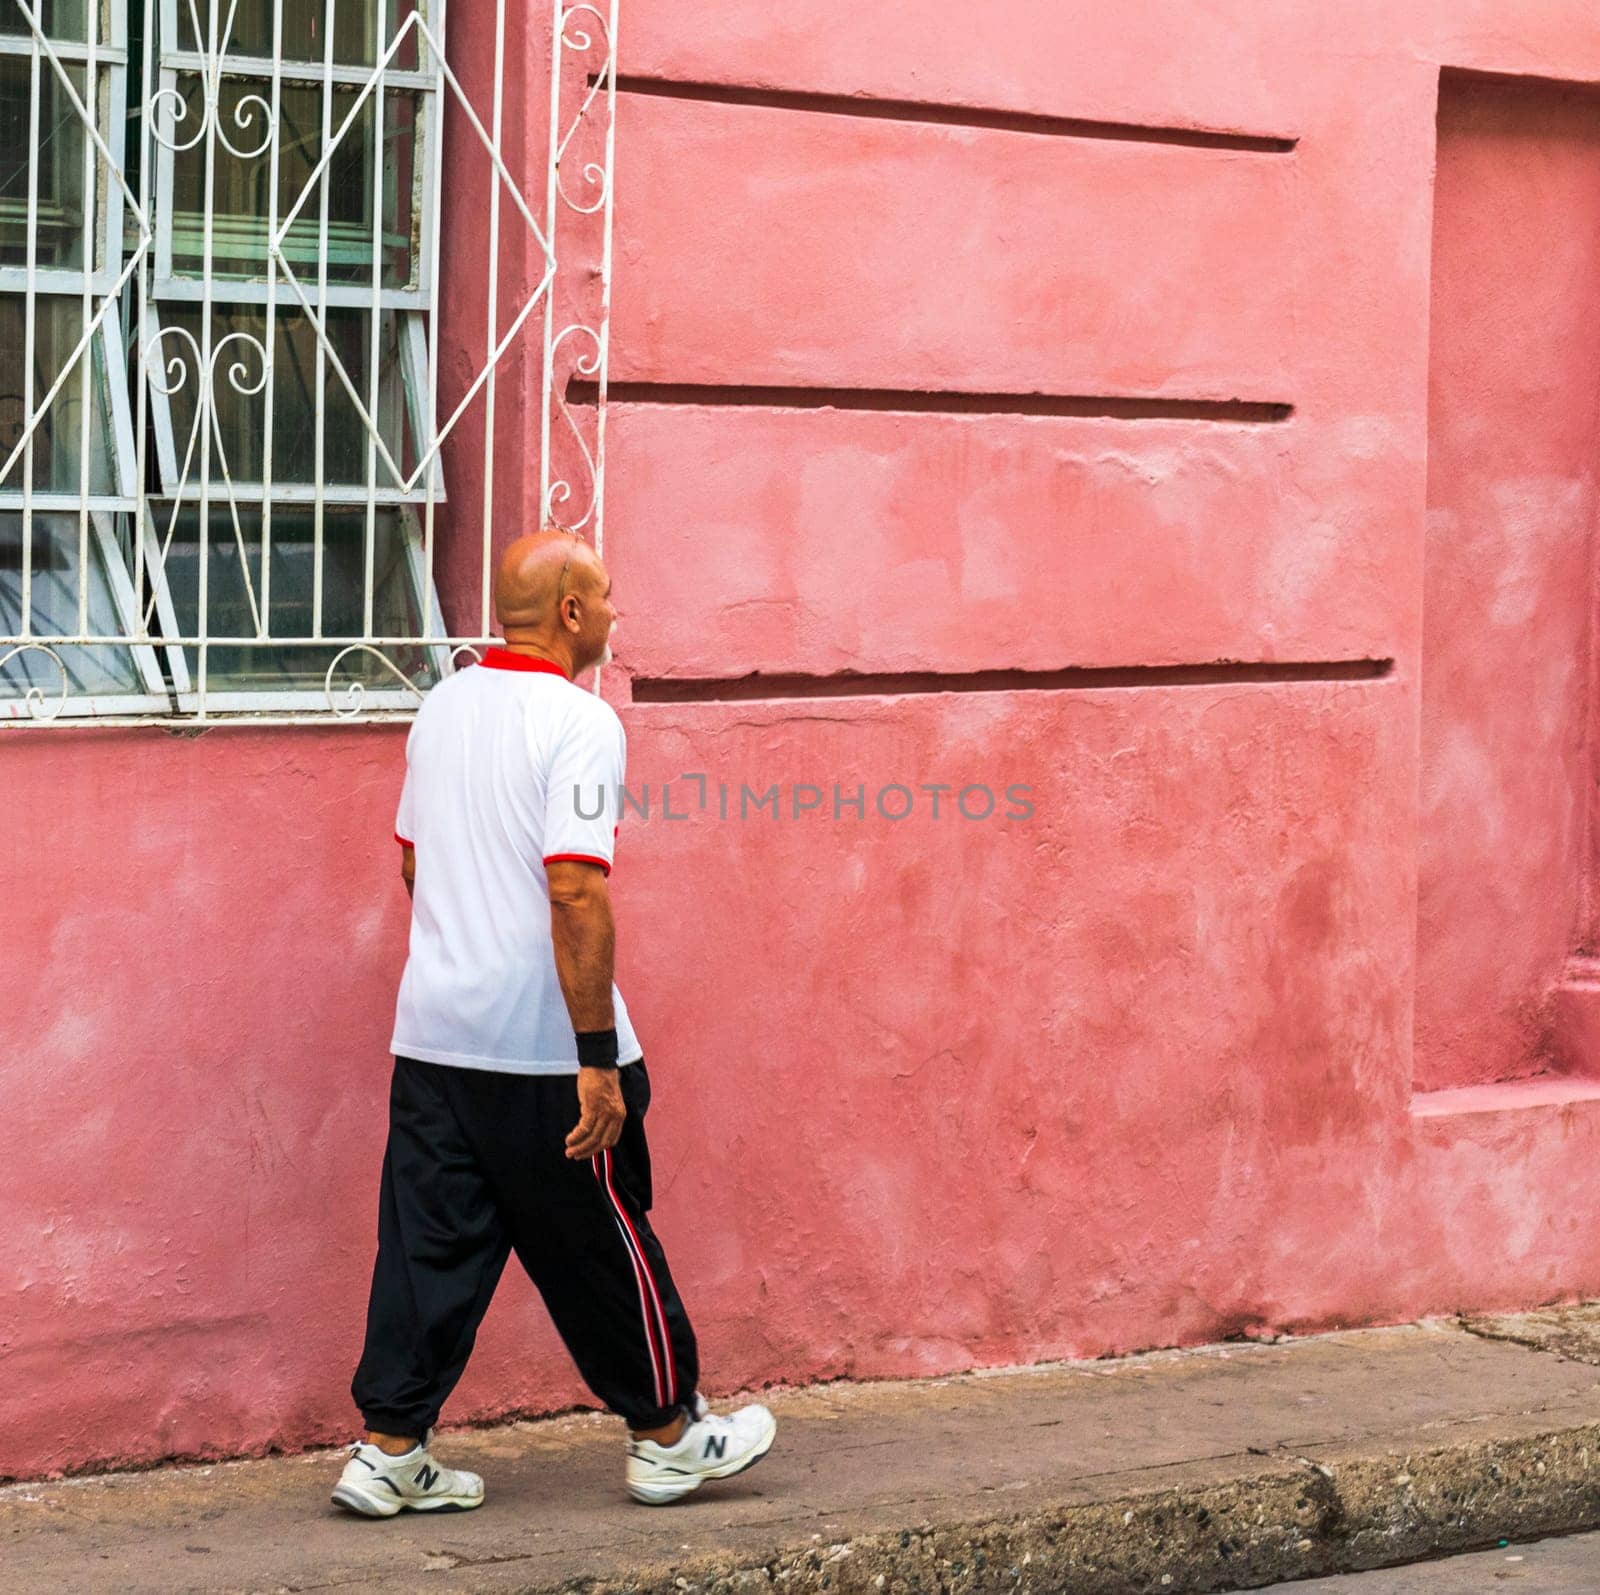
x=476, y=1167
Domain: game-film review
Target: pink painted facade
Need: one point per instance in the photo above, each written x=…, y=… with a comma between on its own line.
x=1279, y=495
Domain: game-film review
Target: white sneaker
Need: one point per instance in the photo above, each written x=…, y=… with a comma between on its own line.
x=376, y=1484
x=710, y=1447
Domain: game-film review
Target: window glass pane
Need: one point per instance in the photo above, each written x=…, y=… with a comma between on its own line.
x=305, y=30
x=54, y=605
x=232, y=581
x=60, y=230
x=241, y=200
x=58, y=19
x=58, y=438
x=241, y=417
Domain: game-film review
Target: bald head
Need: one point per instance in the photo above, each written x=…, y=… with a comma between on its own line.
x=552, y=595
x=536, y=572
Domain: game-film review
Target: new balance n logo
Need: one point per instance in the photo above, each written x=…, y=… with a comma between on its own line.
x=716, y=1446
x=426, y=1477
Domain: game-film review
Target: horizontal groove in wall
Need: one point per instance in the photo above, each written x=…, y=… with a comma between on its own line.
x=954, y=115
x=735, y=689
x=1550, y=1091
x=1109, y=407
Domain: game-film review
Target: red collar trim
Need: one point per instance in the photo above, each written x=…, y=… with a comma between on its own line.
x=504, y=659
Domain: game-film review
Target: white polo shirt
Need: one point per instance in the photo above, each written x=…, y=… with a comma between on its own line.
x=509, y=767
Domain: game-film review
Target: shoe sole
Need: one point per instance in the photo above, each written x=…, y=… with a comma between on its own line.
x=666, y=1494
x=364, y=1505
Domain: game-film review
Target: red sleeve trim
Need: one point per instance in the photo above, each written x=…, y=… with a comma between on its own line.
x=402, y=841
x=578, y=858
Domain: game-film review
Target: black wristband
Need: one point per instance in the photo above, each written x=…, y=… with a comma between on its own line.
x=597, y=1049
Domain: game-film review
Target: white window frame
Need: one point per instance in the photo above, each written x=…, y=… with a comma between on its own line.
x=102, y=65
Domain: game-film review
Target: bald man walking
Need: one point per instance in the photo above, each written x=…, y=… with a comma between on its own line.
x=516, y=1113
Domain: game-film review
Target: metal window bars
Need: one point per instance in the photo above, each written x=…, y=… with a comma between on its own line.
x=221, y=483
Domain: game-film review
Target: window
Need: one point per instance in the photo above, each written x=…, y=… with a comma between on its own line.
x=219, y=431
x=67, y=495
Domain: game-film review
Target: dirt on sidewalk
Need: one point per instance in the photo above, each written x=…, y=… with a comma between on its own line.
x=1214, y=1469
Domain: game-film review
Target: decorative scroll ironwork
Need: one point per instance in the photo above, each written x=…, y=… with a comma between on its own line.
x=38, y=704
x=574, y=485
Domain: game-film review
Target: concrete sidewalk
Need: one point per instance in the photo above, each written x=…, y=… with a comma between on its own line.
x=1226, y=1467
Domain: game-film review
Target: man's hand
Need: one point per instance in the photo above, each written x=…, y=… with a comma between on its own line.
x=600, y=1113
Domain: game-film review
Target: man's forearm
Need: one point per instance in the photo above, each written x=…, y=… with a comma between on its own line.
x=585, y=947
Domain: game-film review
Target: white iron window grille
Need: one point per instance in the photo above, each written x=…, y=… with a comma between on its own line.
x=221, y=422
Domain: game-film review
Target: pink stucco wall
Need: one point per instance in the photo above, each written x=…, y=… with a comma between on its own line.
x=1151, y=1067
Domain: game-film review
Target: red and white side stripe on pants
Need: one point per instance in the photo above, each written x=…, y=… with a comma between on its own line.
x=655, y=1320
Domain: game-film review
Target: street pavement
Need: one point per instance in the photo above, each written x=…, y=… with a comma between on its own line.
x=1568, y=1566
